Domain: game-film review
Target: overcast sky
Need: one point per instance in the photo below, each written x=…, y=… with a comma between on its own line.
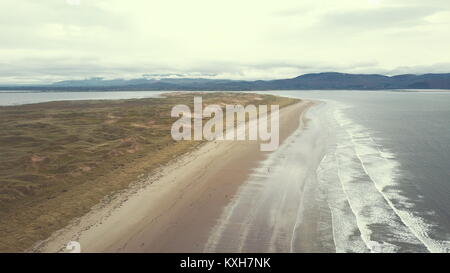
x=50, y=40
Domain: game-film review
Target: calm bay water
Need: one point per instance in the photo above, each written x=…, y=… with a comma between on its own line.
x=27, y=97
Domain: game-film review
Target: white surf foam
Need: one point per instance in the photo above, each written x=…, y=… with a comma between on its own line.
x=380, y=167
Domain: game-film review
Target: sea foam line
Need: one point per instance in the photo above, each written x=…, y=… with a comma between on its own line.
x=417, y=226
x=367, y=204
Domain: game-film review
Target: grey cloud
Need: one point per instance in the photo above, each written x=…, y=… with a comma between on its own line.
x=314, y=67
x=52, y=69
x=436, y=3
x=33, y=13
x=374, y=18
x=434, y=68
x=23, y=24
x=179, y=75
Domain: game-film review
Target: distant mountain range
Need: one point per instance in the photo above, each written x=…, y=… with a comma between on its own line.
x=315, y=81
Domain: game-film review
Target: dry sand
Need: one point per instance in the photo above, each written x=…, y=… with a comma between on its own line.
x=175, y=209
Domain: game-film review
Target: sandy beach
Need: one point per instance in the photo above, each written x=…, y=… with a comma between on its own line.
x=176, y=207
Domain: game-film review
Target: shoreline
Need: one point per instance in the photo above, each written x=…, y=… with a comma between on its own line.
x=175, y=209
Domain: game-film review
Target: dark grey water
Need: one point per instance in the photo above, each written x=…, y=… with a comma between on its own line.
x=391, y=151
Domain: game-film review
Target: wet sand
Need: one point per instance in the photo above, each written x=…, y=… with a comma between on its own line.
x=177, y=208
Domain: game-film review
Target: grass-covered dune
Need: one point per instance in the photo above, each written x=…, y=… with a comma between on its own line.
x=59, y=159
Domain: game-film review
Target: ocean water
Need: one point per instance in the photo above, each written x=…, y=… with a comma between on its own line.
x=369, y=173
